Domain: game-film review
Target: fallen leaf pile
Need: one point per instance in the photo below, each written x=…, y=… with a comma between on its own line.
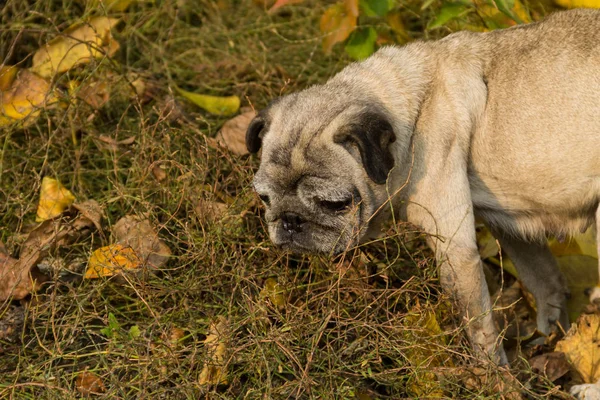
x=136, y=243
x=19, y=277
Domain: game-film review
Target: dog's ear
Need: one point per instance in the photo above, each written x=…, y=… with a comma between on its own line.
x=255, y=132
x=372, y=134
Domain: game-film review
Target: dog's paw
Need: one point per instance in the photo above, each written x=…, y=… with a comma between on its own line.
x=588, y=391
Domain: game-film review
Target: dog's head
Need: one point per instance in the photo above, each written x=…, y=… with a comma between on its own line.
x=325, y=160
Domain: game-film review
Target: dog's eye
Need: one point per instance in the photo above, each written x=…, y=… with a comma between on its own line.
x=264, y=198
x=336, y=206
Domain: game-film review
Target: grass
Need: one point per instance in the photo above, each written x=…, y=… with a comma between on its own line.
x=357, y=327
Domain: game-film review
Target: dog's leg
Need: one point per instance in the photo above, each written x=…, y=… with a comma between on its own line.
x=443, y=208
x=595, y=293
x=538, y=270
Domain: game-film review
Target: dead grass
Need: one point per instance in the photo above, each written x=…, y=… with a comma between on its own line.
x=343, y=332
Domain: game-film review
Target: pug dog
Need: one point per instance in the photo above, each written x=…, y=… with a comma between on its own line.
x=501, y=125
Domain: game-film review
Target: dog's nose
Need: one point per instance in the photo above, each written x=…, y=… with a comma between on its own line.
x=292, y=222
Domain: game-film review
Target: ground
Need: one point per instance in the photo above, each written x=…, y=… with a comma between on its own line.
x=372, y=324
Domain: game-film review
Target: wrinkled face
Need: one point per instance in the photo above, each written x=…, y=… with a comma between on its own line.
x=323, y=167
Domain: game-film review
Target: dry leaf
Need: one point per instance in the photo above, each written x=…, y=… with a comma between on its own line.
x=173, y=338
x=11, y=321
x=233, y=133
x=338, y=22
x=216, y=105
x=553, y=365
x=214, y=372
x=159, y=173
x=210, y=211
x=273, y=291
x=513, y=314
x=138, y=234
x=96, y=93
x=500, y=382
x=89, y=212
x=111, y=260
x=22, y=94
x=54, y=199
x=582, y=347
x=88, y=383
x=20, y=277
x=113, y=144
x=78, y=45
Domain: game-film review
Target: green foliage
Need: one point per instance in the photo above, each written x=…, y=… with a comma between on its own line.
x=377, y=8
x=113, y=328
x=361, y=43
x=448, y=12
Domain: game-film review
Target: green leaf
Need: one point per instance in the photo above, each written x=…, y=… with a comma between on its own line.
x=213, y=104
x=448, y=12
x=377, y=8
x=361, y=44
x=506, y=7
x=113, y=327
x=134, y=332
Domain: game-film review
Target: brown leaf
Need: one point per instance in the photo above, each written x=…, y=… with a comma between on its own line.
x=582, y=347
x=173, y=338
x=88, y=383
x=210, y=211
x=95, y=93
x=159, y=173
x=141, y=237
x=337, y=22
x=553, y=365
x=11, y=322
x=513, y=313
x=15, y=281
x=233, y=133
x=90, y=212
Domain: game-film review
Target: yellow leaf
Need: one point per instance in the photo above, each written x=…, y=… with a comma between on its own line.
x=337, y=22
x=581, y=273
x=22, y=94
x=273, y=291
x=584, y=244
x=578, y=3
x=54, y=199
x=423, y=328
x=214, y=372
x=111, y=260
x=79, y=44
x=213, y=104
x=581, y=347
x=7, y=76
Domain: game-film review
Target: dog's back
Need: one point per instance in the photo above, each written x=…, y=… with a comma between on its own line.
x=542, y=124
